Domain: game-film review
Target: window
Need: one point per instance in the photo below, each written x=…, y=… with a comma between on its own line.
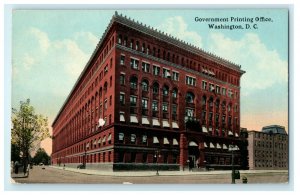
x=174, y=109
x=145, y=85
x=145, y=103
x=155, y=88
x=175, y=76
x=223, y=91
x=174, y=93
x=190, y=81
x=145, y=67
x=134, y=63
x=204, y=85
x=211, y=87
x=137, y=44
x=165, y=107
x=218, y=91
x=190, y=97
x=120, y=39
x=122, y=60
x=105, y=69
x=156, y=70
x=144, y=139
x=133, y=82
x=166, y=73
x=165, y=90
x=132, y=138
x=133, y=100
x=110, y=100
x=230, y=94
x=105, y=104
x=122, y=99
x=131, y=43
x=154, y=105
x=122, y=79
x=189, y=112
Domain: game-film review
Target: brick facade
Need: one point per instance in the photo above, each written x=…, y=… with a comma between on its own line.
x=164, y=102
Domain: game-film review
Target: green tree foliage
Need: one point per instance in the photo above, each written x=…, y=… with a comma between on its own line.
x=28, y=130
x=15, y=153
x=41, y=157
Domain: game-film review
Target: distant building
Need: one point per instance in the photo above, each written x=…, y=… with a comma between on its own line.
x=268, y=149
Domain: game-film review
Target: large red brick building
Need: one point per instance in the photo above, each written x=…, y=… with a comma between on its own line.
x=147, y=99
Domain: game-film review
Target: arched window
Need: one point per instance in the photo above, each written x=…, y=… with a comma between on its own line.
x=155, y=88
x=174, y=93
x=145, y=85
x=120, y=39
x=211, y=102
x=190, y=97
x=133, y=82
x=165, y=90
x=105, y=87
x=203, y=102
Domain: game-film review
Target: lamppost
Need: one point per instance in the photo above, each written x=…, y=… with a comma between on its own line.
x=233, y=148
x=157, y=155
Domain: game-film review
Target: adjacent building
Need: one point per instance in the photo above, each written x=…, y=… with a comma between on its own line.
x=147, y=99
x=268, y=149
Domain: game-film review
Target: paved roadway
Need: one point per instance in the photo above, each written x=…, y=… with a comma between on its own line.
x=55, y=175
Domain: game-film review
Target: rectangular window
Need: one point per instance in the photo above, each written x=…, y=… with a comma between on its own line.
x=204, y=85
x=218, y=91
x=105, y=69
x=133, y=100
x=230, y=94
x=154, y=105
x=174, y=109
x=211, y=87
x=134, y=63
x=156, y=70
x=105, y=104
x=122, y=60
x=145, y=67
x=144, y=139
x=165, y=107
x=132, y=138
x=122, y=79
x=122, y=99
x=175, y=76
x=110, y=100
x=190, y=81
x=223, y=91
x=144, y=103
x=166, y=73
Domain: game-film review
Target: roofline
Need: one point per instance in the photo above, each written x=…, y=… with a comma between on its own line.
x=157, y=34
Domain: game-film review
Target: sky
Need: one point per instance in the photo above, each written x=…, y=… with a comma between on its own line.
x=50, y=49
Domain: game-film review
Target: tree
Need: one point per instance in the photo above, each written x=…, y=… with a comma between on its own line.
x=41, y=156
x=28, y=129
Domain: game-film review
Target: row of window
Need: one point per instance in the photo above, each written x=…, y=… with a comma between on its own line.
x=185, y=62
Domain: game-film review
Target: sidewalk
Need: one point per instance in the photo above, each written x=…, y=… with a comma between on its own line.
x=162, y=173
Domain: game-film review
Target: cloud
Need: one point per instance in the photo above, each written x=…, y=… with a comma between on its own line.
x=177, y=27
x=264, y=67
x=41, y=37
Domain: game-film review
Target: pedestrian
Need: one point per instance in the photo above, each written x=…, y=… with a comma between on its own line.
x=16, y=167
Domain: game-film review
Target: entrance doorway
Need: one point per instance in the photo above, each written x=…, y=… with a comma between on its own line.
x=194, y=154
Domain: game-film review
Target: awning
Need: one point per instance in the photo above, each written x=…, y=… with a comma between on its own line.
x=230, y=133
x=109, y=137
x=133, y=119
x=166, y=141
x=122, y=118
x=236, y=134
x=204, y=129
x=166, y=123
x=145, y=121
x=218, y=146
x=224, y=146
x=155, y=140
x=193, y=144
x=175, y=125
x=175, y=143
x=104, y=139
x=205, y=145
x=211, y=145
x=155, y=122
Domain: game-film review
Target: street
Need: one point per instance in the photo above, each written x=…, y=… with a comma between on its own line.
x=55, y=175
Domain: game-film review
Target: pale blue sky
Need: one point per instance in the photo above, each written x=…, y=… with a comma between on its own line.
x=51, y=48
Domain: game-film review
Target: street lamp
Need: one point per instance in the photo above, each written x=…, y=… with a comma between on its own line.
x=233, y=148
x=157, y=155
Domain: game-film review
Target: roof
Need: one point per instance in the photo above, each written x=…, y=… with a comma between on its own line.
x=131, y=23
